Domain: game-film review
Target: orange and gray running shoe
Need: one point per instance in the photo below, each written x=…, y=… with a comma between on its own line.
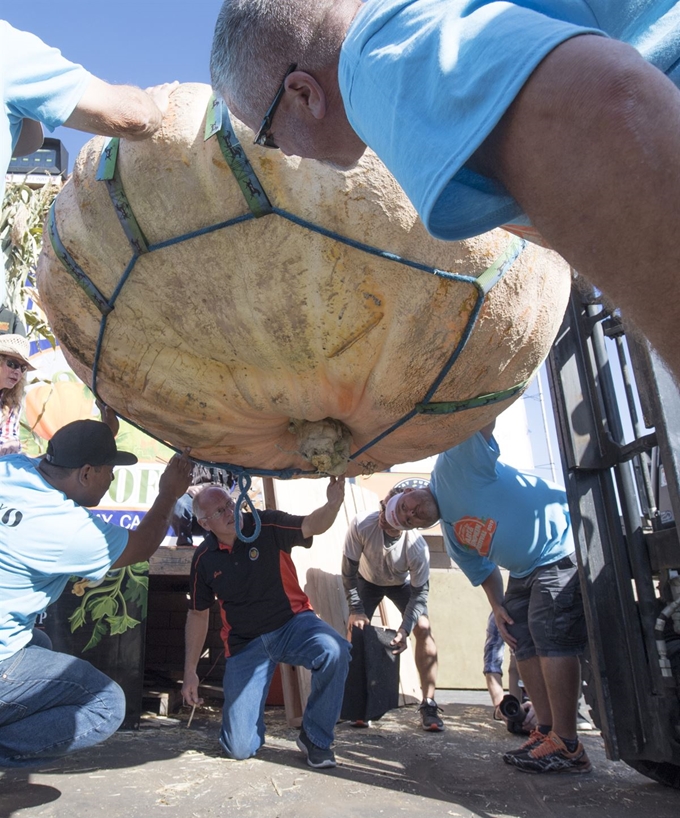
x=535, y=738
x=552, y=756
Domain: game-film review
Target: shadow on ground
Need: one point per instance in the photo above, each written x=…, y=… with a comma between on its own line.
x=390, y=769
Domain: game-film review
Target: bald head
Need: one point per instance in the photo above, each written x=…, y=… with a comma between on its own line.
x=208, y=497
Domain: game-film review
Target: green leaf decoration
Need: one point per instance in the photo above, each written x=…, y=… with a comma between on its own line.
x=136, y=590
x=97, y=633
x=120, y=624
x=116, y=624
x=77, y=618
x=103, y=606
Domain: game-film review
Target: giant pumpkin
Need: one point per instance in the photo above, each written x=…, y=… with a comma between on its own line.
x=272, y=345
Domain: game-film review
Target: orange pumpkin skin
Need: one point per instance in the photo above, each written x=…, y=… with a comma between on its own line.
x=228, y=342
x=49, y=407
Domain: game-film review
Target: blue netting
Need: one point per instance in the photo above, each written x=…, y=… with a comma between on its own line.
x=219, y=124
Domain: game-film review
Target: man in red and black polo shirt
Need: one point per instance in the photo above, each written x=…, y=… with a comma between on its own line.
x=267, y=619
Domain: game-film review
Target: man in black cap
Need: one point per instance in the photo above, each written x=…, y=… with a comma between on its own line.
x=52, y=704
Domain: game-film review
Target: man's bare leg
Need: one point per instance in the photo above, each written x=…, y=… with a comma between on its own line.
x=532, y=675
x=426, y=657
x=494, y=684
x=562, y=675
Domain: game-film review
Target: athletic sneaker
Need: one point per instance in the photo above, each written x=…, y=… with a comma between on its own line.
x=317, y=757
x=360, y=723
x=552, y=756
x=535, y=738
x=429, y=711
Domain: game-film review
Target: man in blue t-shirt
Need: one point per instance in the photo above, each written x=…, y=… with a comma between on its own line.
x=493, y=515
x=551, y=116
x=40, y=87
x=52, y=704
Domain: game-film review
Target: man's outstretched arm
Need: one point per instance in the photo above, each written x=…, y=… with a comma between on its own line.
x=120, y=110
x=323, y=518
x=591, y=150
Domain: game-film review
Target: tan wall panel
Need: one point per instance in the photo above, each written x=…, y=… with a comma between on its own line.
x=458, y=616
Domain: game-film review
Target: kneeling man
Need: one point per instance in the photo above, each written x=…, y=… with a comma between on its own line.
x=52, y=704
x=267, y=619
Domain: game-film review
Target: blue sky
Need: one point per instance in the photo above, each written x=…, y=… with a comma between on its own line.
x=122, y=41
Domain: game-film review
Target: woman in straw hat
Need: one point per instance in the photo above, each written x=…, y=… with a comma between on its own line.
x=14, y=363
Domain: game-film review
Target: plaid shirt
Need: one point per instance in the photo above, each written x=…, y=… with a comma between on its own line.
x=10, y=442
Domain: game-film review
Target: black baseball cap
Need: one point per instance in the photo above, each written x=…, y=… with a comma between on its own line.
x=86, y=442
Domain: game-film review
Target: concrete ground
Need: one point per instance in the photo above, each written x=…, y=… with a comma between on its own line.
x=391, y=769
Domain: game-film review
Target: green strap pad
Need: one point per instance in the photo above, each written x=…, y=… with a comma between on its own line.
x=107, y=172
x=78, y=274
x=218, y=124
x=452, y=406
x=492, y=275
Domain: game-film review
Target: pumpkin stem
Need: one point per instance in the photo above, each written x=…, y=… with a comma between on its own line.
x=325, y=443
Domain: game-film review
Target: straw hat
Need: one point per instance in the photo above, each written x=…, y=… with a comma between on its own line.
x=16, y=346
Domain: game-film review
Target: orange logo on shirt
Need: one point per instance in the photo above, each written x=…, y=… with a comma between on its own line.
x=475, y=533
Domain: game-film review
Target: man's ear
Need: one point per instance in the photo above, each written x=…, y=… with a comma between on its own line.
x=307, y=92
x=85, y=474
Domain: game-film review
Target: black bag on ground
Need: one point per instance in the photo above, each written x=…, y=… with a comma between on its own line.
x=372, y=686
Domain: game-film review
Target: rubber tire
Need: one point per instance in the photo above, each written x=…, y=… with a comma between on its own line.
x=662, y=772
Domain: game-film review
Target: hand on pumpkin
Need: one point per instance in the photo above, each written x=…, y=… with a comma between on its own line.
x=109, y=417
x=335, y=493
x=160, y=94
x=176, y=478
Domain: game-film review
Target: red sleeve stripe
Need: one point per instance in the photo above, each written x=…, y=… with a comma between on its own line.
x=286, y=527
x=298, y=599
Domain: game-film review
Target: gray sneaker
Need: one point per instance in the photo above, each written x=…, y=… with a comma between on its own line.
x=429, y=714
x=317, y=757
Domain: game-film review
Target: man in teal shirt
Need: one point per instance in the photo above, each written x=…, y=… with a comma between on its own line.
x=52, y=704
x=495, y=515
x=558, y=118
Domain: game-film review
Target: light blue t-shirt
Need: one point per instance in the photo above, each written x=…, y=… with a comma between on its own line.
x=492, y=514
x=36, y=83
x=44, y=539
x=424, y=82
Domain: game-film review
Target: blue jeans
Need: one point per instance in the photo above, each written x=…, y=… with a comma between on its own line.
x=52, y=704
x=305, y=640
x=494, y=648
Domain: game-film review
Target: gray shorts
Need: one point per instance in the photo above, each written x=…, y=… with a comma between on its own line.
x=547, y=609
x=372, y=595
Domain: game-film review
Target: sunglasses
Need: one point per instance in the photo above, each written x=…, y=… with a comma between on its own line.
x=262, y=137
x=10, y=363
